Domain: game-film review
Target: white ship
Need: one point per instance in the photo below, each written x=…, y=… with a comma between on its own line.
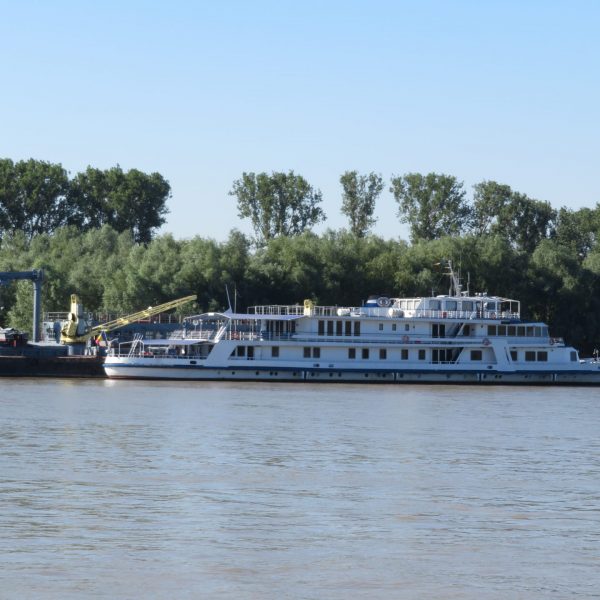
x=454, y=338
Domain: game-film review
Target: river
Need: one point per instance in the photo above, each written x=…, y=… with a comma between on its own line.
x=122, y=489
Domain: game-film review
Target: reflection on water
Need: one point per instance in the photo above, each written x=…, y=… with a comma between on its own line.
x=187, y=490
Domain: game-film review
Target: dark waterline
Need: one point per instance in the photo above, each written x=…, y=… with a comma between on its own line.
x=237, y=490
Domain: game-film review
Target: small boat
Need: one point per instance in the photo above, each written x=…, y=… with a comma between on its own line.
x=454, y=338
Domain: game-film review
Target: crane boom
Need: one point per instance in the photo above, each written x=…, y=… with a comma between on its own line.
x=73, y=333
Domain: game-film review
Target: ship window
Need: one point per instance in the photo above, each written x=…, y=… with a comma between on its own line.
x=338, y=328
x=441, y=355
x=329, y=327
x=348, y=328
x=306, y=352
x=544, y=331
x=538, y=331
x=407, y=327
x=357, y=328
x=351, y=352
x=275, y=351
x=542, y=356
x=476, y=355
x=250, y=351
x=450, y=304
x=466, y=330
x=512, y=330
x=520, y=331
x=435, y=304
x=382, y=353
x=529, y=355
x=365, y=353
x=393, y=326
x=316, y=352
x=530, y=331
x=573, y=356
x=421, y=354
x=514, y=355
x=404, y=354
x=492, y=329
x=438, y=330
x=502, y=330
x=321, y=330
x=241, y=351
x=380, y=326
x=467, y=305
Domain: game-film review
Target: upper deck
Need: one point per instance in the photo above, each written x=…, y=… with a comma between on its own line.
x=434, y=307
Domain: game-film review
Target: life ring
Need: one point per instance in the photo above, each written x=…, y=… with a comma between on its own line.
x=383, y=301
x=486, y=342
x=405, y=339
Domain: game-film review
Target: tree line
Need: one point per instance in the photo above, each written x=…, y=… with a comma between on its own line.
x=38, y=197
x=433, y=205
x=112, y=272
x=96, y=238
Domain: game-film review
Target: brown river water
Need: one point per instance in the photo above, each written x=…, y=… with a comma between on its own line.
x=120, y=489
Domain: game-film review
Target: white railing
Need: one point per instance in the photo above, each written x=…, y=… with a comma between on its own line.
x=462, y=314
x=277, y=309
x=380, y=312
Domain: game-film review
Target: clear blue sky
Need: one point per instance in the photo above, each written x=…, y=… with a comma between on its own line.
x=202, y=91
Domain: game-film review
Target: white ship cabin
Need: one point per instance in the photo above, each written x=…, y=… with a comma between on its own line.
x=434, y=317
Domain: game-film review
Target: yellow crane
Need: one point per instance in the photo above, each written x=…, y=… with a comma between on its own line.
x=77, y=330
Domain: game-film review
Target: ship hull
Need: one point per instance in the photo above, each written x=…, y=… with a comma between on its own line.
x=141, y=370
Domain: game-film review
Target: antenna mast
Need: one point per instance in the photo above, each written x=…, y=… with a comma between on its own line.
x=454, y=281
x=228, y=298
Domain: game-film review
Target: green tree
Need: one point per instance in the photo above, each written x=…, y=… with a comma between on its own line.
x=433, y=205
x=277, y=204
x=497, y=209
x=489, y=201
x=526, y=222
x=288, y=269
x=33, y=196
x=129, y=200
x=89, y=195
x=577, y=229
x=200, y=271
x=358, y=200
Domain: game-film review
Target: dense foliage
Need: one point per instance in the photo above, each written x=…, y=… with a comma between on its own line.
x=38, y=197
x=359, y=193
x=556, y=282
x=277, y=204
x=92, y=234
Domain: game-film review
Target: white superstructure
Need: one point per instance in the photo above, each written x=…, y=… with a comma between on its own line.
x=454, y=338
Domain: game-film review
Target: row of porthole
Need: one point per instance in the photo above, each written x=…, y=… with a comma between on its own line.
x=271, y=373
x=380, y=375
x=545, y=376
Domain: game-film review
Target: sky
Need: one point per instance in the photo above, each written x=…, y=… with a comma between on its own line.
x=204, y=91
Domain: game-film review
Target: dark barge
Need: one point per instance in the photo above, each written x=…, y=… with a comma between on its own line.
x=20, y=358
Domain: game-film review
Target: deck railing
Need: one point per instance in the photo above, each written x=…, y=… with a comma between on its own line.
x=380, y=312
